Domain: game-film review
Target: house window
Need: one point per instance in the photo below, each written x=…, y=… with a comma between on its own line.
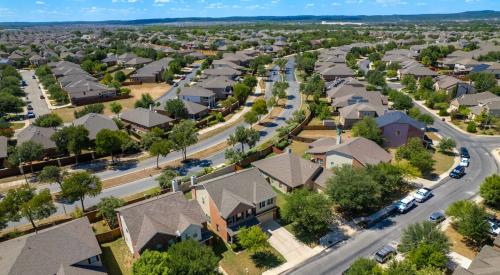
x=262, y=204
x=398, y=133
x=94, y=259
x=195, y=236
x=270, y=201
x=217, y=227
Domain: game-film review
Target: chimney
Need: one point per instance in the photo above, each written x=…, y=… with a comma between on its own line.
x=193, y=180
x=175, y=186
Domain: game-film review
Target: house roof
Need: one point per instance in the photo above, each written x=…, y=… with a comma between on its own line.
x=338, y=70
x=194, y=108
x=486, y=262
x=38, y=135
x=359, y=96
x=51, y=250
x=353, y=111
x=218, y=82
x=224, y=71
x=398, y=117
x=145, y=117
x=323, y=142
x=3, y=147
x=323, y=177
x=196, y=91
x=446, y=82
x=169, y=214
x=473, y=99
x=138, y=61
x=245, y=187
x=153, y=68
x=288, y=168
x=95, y=123
x=363, y=150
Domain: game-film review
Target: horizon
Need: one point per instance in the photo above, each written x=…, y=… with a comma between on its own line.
x=58, y=11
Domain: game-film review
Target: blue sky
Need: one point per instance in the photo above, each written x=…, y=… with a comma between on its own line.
x=93, y=10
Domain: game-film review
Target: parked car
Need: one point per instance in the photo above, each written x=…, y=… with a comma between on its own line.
x=183, y=77
x=494, y=229
x=423, y=194
x=384, y=254
x=42, y=97
x=30, y=114
x=428, y=140
x=406, y=204
x=464, y=162
x=437, y=217
x=457, y=172
x=29, y=107
x=33, y=76
x=464, y=153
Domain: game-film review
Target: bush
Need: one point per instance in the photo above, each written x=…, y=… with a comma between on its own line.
x=490, y=190
x=471, y=127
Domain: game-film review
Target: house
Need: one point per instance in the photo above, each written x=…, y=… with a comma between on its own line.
x=86, y=91
x=235, y=200
x=68, y=248
x=195, y=110
x=288, y=171
x=143, y=120
x=222, y=71
x=490, y=105
x=415, y=69
x=38, y=135
x=353, y=113
x=470, y=100
x=397, y=128
x=358, y=152
x=198, y=95
x=359, y=96
x=221, y=86
x=337, y=71
x=3, y=149
x=137, y=62
x=95, y=123
x=486, y=262
x=161, y=221
x=153, y=72
x=446, y=83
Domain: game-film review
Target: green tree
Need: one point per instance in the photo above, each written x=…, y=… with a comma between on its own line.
x=423, y=233
x=260, y=107
x=244, y=136
x=250, y=81
x=233, y=155
x=376, y=78
x=152, y=263
x=426, y=255
x=160, y=148
x=401, y=267
x=145, y=101
x=154, y=135
x=426, y=119
x=416, y=154
x=108, y=142
x=106, y=209
x=483, y=81
x=490, y=190
x=471, y=127
x=470, y=220
x=251, y=117
x=176, y=108
x=363, y=266
x=310, y=213
x=367, y=128
x=107, y=79
x=48, y=120
x=446, y=145
x=183, y=135
x=165, y=179
x=190, y=257
x=354, y=190
x=430, y=271
x=426, y=83
x=252, y=238
x=241, y=92
x=97, y=108
x=10, y=104
x=27, y=152
x=51, y=174
x=80, y=184
x=115, y=107
x=120, y=76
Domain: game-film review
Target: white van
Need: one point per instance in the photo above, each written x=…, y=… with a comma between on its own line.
x=406, y=204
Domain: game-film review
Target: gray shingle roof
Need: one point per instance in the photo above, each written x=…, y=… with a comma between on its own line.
x=353, y=111
x=398, y=117
x=145, y=117
x=38, y=135
x=246, y=187
x=95, y=123
x=168, y=214
x=288, y=168
x=49, y=250
x=196, y=91
x=194, y=108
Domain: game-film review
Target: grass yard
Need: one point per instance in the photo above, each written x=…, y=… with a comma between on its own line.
x=458, y=245
x=299, y=148
x=154, y=89
x=443, y=163
x=16, y=125
x=100, y=227
x=117, y=258
x=463, y=125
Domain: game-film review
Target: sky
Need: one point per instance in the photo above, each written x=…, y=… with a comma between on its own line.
x=98, y=10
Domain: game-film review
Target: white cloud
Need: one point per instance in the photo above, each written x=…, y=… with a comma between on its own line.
x=336, y=4
x=39, y=2
x=391, y=2
x=309, y=5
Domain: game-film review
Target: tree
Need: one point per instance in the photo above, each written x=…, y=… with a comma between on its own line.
x=363, y=266
x=241, y=92
x=51, y=174
x=154, y=135
x=152, y=262
x=10, y=104
x=429, y=270
x=483, y=81
x=410, y=83
x=354, y=190
x=80, y=184
x=48, y=120
x=145, y=101
x=390, y=177
x=106, y=209
x=260, y=107
x=367, y=128
x=250, y=81
x=400, y=100
x=233, y=155
x=108, y=142
x=446, y=145
x=423, y=233
x=428, y=255
x=72, y=139
x=490, y=190
x=471, y=127
x=426, y=119
x=426, y=83
x=107, y=79
x=281, y=63
x=165, y=179
x=176, y=108
x=244, y=136
x=120, y=76
x=310, y=212
x=416, y=154
x=252, y=238
x=183, y=135
x=115, y=107
x=401, y=267
x=376, y=78
x=24, y=202
x=27, y=152
x=251, y=117
x=97, y=108
x=470, y=220
x=190, y=257
x=160, y=148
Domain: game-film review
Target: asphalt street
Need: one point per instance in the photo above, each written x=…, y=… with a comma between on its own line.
x=33, y=93
x=366, y=242
x=138, y=186
x=171, y=94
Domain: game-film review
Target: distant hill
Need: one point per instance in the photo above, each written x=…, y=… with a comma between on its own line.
x=462, y=16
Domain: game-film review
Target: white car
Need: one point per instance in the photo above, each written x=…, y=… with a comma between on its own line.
x=494, y=229
x=405, y=204
x=423, y=194
x=464, y=162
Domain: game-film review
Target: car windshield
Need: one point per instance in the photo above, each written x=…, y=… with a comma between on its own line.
x=494, y=226
x=421, y=193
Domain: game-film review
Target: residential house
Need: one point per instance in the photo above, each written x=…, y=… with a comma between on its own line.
x=221, y=86
x=335, y=72
x=95, y=123
x=38, y=135
x=490, y=106
x=446, y=83
x=357, y=152
x=160, y=222
x=397, y=128
x=68, y=248
x=153, y=72
x=415, y=69
x=232, y=201
x=486, y=262
x=353, y=113
x=288, y=171
x=222, y=71
x=198, y=95
x=470, y=100
x=85, y=91
x=143, y=120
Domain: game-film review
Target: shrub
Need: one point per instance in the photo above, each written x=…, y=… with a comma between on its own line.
x=471, y=127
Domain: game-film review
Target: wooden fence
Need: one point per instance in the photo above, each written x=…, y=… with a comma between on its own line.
x=109, y=236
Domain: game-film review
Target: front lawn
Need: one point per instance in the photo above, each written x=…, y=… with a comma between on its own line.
x=458, y=245
x=117, y=258
x=299, y=148
x=443, y=163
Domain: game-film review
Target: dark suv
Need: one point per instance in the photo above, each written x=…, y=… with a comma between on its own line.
x=384, y=254
x=464, y=153
x=458, y=172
